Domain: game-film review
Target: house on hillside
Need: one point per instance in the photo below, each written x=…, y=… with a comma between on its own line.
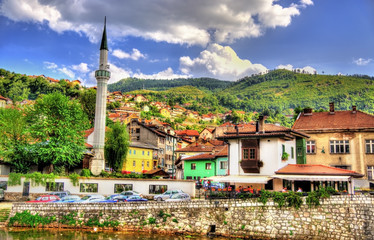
x=165, y=112
x=140, y=98
x=3, y=102
x=264, y=156
x=190, y=135
x=207, y=134
x=342, y=139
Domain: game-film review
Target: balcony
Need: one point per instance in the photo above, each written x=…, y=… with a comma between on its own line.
x=250, y=166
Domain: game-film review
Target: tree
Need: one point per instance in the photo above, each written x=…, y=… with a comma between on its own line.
x=116, y=146
x=88, y=101
x=58, y=124
x=14, y=139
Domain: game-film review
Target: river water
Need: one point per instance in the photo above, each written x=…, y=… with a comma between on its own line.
x=84, y=235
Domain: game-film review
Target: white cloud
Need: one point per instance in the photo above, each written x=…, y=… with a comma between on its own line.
x=135, y=55
x=188, y=22
x=306, y=69
x=362, y=61
x=166, y=74
x=219, y=62
x=67, y=72
x=82, y=67
x=50, y=65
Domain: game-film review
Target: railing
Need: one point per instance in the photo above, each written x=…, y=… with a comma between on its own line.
x=250, y=166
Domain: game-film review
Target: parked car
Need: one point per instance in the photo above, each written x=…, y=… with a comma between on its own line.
x=166, y=195
x=61, y=194
x=118, y=197
x=131, y=193
x=69, y=198
x=136, y=198
x=45, y=198
x=179, y=197
x=91, y=198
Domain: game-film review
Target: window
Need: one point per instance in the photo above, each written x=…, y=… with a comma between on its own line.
x=137, y=130
x=292, y=153
x=369, y=146
x=148, y=153
x=54, y=186
x=157, y=189
x=133, y=163
x=143, y=153
x=249, y=154
x=370, y=172
x=193, y=166
x=189, y=178
x=208, y=166
x=347, y=167
x=147, y=163
x=118, y=188
x=4, y=185
x=130, y=151
x=310, y=147
x=88, y=187
x=339, y=146
x=134, y=152
x=223, y=165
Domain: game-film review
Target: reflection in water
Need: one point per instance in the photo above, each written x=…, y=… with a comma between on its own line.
x=83, y=235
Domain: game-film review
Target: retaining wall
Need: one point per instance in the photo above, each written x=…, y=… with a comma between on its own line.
x=339, y=217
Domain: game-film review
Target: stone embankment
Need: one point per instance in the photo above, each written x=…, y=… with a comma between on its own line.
x=339, y=217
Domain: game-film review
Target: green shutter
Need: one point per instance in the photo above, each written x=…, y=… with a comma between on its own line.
x=300, y=151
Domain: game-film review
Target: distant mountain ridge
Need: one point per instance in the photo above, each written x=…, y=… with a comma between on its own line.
x=131, y=84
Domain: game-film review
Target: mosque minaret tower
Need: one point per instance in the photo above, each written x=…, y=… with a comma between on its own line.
x=102, y=76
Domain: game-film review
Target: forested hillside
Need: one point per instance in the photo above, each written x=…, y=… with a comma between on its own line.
x=131, y=84
x=282, y=89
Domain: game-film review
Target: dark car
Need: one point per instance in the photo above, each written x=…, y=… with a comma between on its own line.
x=136, y=198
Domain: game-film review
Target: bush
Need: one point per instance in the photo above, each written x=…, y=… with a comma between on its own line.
x=86, y=173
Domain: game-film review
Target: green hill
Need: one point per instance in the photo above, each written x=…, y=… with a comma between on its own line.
x=282, y=89
x=131, y=84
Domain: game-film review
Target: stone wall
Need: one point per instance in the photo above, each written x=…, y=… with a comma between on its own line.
x=339, y=217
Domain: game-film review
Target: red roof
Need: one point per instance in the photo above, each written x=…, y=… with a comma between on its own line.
x=310, y=169
x=219, y=152
x=340, y=120
x=192, y=133
x=3, y=98
x=88, y=145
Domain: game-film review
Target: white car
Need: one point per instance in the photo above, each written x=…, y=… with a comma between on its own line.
x=166, y=195
x=179, y=197
x=91, y=198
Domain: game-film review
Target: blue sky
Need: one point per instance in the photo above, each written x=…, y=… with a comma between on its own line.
x=166, y=39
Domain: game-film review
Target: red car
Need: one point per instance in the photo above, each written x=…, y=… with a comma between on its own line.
x=45, y=198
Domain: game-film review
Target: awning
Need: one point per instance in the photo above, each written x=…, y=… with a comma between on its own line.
x=239, y=179
x=313, y=178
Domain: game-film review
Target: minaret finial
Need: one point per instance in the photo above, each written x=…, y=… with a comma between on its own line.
x=104, y=44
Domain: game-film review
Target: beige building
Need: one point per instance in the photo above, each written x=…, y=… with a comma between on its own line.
x=343, y=139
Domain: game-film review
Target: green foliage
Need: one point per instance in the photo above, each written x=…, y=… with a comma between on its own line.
x=69, y=219
x=151, y=220
x=14, y=139
x=58, y=124
x=116, y=146
x=88, y=101
x=280, y=198
x=74, y=178
x=294, y=199
x=264, y=196
x=36, y=178
x=26, y=219
x=175, y=220
x=86, y=173
x=95, y=222
x=285, y=156
x=312, y=200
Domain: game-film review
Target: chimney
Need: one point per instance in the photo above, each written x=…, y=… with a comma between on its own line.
x=237, y=129
x=308, y=111
x=354, y=109
x=332, y=109
x=213, y=150
x=261, y=123
x=257, y=127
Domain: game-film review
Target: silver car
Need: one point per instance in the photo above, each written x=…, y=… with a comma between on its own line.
x=179, y=197
x=166, y=195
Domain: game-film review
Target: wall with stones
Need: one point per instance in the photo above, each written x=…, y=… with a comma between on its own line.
x=339, y=217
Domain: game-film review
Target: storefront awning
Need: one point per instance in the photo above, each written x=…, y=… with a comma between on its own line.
x=239, y=179
x=312, y=178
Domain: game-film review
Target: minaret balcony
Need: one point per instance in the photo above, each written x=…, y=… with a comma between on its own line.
x=102, y=73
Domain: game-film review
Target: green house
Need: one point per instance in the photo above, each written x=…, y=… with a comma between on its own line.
x=206, y=165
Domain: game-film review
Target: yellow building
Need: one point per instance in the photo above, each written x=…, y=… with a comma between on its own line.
x=165, y=112
x=139, y=158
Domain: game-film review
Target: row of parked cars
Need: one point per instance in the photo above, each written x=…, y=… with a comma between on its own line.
x=125, y=196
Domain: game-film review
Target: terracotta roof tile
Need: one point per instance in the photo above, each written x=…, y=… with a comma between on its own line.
x=193, y=133
x=340, y=120
x=310, y=169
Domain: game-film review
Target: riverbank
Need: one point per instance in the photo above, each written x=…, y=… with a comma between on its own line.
x=339, y=217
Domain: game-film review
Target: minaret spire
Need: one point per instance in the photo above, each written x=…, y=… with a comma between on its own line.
x=102, y=75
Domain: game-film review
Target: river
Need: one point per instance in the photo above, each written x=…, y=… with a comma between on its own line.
x=85, y=235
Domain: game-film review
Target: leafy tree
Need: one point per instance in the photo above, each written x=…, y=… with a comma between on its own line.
x=58, y=124
x=18, y=91
x=116, y=146
x=14, y=139
x=88, y=101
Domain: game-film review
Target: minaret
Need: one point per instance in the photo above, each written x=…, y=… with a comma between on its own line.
x=102, y=76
